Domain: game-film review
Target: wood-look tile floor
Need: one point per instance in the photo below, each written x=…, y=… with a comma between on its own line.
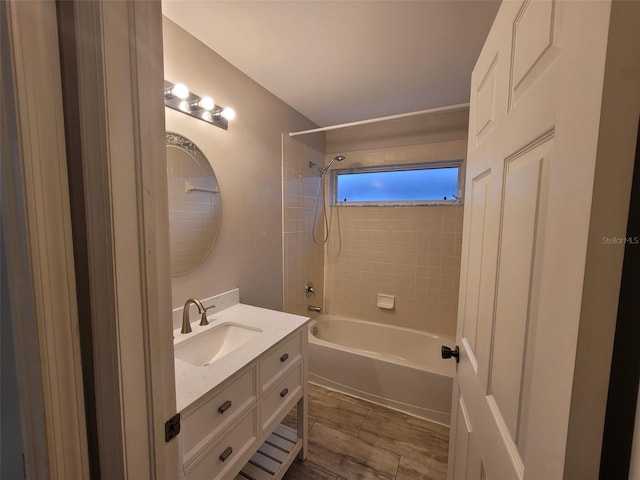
x=351, y=439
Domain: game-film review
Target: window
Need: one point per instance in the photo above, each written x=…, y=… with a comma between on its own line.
x=417, y=184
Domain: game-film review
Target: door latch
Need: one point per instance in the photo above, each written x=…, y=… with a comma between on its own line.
x=172, y=427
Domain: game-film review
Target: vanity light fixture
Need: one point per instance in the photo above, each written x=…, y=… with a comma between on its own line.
x=178, y=97
x=205, y=103
x=228, y=113
x=179, y=90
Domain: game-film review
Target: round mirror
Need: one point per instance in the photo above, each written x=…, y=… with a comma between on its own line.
x=194, y=204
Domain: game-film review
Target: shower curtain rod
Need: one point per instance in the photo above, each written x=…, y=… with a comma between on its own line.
x=450, y=108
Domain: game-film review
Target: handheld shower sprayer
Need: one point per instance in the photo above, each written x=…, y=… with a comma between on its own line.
x=337, y=158
x=327, y=226
x=324, y=170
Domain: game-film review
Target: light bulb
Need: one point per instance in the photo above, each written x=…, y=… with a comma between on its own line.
x=206, y=103
x=228, y=113
x=180, y=90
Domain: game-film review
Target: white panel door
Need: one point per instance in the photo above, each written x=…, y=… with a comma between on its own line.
x=526, y=219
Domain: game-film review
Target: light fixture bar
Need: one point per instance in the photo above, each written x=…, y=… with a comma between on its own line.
x=192, y=106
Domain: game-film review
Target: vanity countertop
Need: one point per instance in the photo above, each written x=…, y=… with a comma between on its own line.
x=192, y=382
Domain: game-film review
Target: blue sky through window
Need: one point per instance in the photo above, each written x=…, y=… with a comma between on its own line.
x=427, y=184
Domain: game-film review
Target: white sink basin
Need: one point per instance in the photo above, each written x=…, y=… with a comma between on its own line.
x=205, y=348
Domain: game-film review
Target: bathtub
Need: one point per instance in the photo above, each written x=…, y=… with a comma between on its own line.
x=397, y=367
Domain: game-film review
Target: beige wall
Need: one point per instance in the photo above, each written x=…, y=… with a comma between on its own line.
x=303, y=259
x=249, y=165
x=413, y=130
x=412, y=252
x=247, y=160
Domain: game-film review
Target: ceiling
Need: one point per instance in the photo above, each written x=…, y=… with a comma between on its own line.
x=343, y=61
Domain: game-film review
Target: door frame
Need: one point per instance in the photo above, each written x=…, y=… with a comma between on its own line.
x=36, y=230
x=118, y=48
x=121, y=140
x=610, y=207
x=618, y=437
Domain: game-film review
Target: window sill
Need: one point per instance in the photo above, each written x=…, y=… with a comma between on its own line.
x=439, y=203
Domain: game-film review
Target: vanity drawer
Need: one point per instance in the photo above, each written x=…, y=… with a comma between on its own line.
x=226, y=457
x=282, y=397
x=279, y=358
x=202, y=424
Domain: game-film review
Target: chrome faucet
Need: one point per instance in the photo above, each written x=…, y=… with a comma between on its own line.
x=186, y=326
x=313, y=308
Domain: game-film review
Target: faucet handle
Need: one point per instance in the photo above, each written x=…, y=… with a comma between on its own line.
x=309, y=290
x=203, y=317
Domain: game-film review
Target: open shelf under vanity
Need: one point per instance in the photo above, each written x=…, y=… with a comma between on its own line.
x=274, y=457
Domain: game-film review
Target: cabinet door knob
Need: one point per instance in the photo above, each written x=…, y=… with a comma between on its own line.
x=224, y=455
x=284, y=392
x=224, y=407
x=284, y=357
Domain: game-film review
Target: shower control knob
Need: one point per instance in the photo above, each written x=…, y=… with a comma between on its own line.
x=448, y=352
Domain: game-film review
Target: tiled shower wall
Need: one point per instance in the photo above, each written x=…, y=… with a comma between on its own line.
x=303, y=259
x=412, y=252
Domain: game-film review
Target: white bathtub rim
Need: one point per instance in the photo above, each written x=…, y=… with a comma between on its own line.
x=434, y=416
x=372, y=354
x=334, y=316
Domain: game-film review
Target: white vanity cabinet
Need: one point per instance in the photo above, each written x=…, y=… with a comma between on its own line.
x=281, y=379
x=220, y=428
x=236, y=426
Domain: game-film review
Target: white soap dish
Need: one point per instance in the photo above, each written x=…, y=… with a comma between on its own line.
x=386, y=301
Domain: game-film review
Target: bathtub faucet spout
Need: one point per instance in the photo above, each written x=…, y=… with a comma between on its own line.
x=313, y=308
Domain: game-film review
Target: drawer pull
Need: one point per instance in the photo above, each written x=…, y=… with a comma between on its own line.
x=284, y=392
x=224, y=407
x=224, y=455
x=284, y=357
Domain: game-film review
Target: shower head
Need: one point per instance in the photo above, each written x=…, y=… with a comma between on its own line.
x=324, y=170
x=337, y=158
